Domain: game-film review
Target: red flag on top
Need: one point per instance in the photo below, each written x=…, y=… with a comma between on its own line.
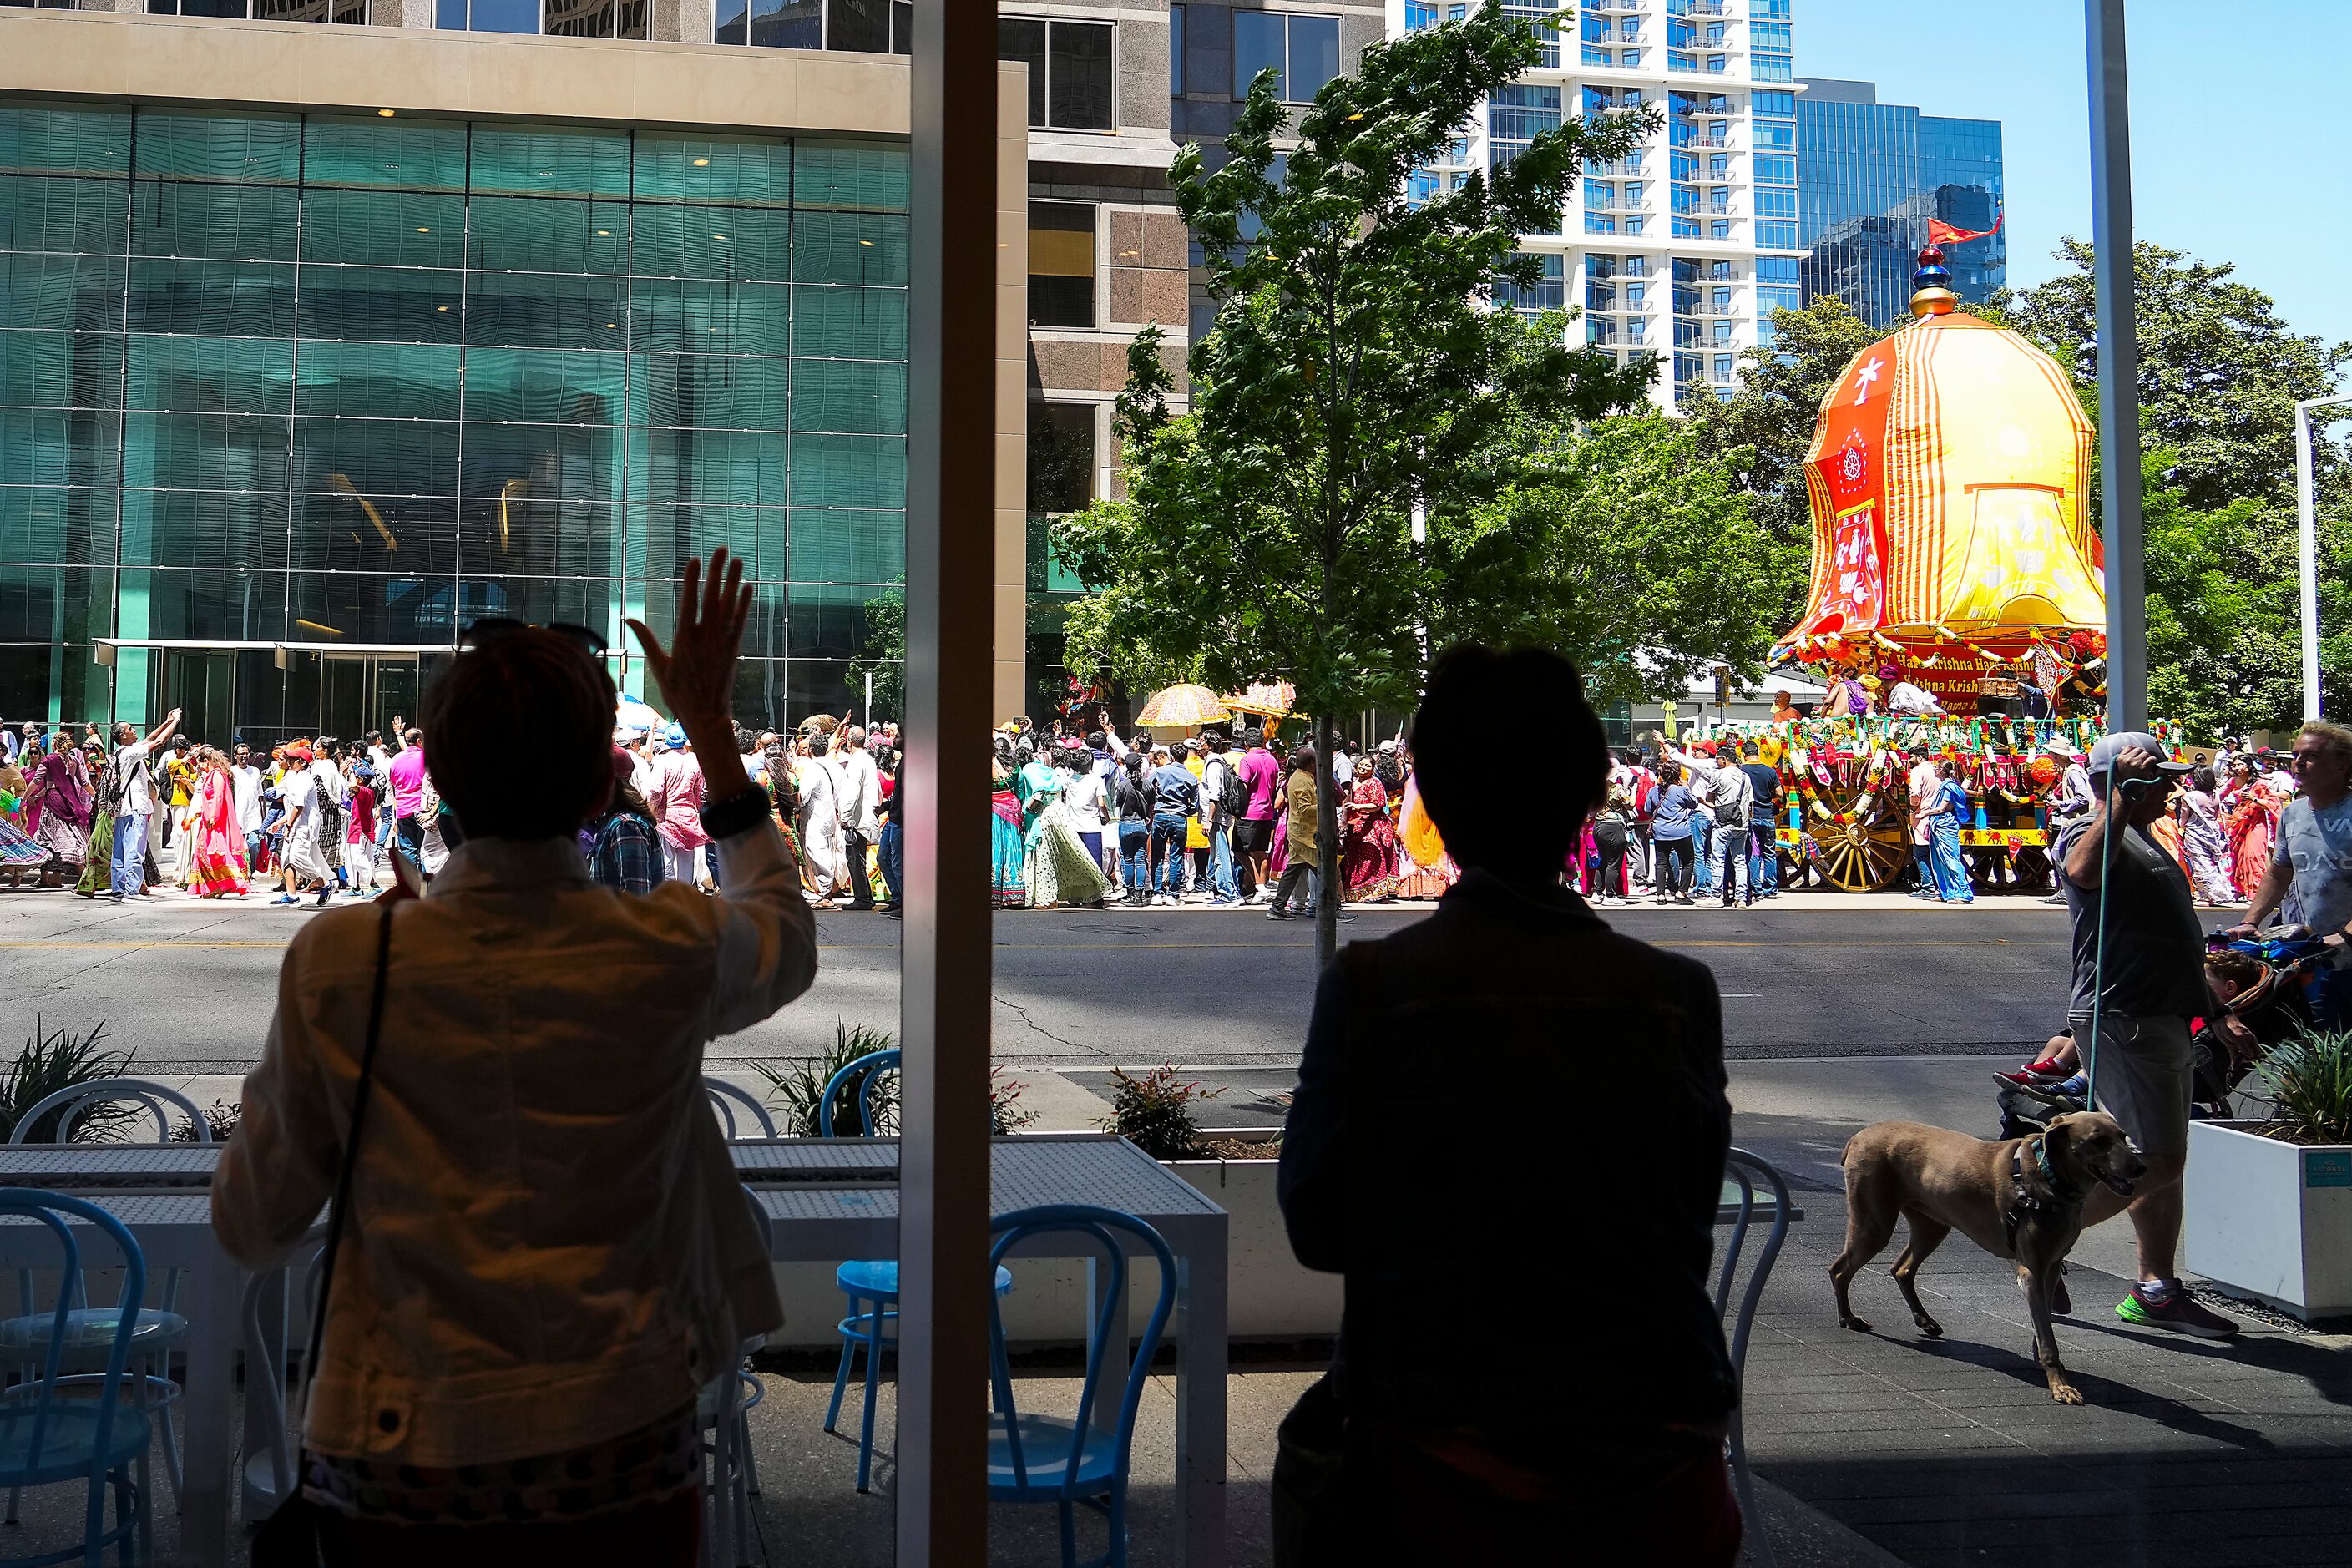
x=1941, y=233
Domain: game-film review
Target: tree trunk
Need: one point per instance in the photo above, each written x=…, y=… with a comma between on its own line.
x=1327, y=835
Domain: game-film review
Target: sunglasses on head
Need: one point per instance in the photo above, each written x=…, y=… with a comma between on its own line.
x=491, y=627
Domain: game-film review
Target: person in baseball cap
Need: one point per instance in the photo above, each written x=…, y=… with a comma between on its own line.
x=2134, y=757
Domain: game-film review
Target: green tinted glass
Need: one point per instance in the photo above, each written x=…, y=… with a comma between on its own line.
x=250, y=148
x=51, y=525
x=860, y=176
x=228, y=532
x=833, y=546
x=837, y=322
x=850, y=248
x=538, y=309
x=706, y=169
x=69, y=293
x=384, y=228
x=543, y=385
x=410, y=154
x=663, y=538
x=205, y=452
x=849, y=395
x=739, y=393
x=377, y=457
x=389, y=303
x=543, y=462
x=234, y=375
x=551, y=161
x=231, y=298
x=66, y=139
x=181, y=217
x=548, y=234
x=675, y=241
x=382, y=380
x=62, y=212
x=690, y=315
x=60, y=447
x=704, y=468
x=355, y=530
x=859, y=472
x=60, y=370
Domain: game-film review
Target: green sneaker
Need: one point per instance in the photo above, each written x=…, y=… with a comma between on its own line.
x=2177, y=1314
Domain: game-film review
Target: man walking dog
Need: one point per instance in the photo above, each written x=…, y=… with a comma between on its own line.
x=2148, y=986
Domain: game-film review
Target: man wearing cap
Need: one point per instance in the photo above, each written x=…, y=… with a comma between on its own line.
x=2310, y=876
x=2146, y=982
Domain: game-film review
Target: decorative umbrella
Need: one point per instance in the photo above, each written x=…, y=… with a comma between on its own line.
x=1182, y=708
x=1267, y=698
x=635, y=714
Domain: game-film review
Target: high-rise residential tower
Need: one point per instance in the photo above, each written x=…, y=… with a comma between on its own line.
x=1684, y=248
x=1872, y=174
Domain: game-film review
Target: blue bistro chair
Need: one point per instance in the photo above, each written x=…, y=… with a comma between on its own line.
x=1758, y=1189
x=1033, y=1458
x=163, y=1331
x=870, y=1284
x=80, y=1427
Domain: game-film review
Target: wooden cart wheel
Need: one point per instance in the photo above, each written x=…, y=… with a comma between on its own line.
x=2034, y=872
x=1864, y=856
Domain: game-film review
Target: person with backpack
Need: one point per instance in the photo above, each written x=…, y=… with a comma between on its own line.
x=1726, y=798
x=1223, y=798
x=1133, y=796
x=1763, y=823
x=127, y=793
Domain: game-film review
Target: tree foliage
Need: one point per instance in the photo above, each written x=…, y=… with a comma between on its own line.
x=1357, y=368
x=886, y=650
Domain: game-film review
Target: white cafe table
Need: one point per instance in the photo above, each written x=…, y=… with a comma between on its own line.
x=826, y=1200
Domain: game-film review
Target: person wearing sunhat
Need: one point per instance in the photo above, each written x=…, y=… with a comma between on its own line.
x=2142, y=977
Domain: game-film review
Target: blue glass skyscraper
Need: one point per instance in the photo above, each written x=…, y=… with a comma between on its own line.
x=1870, y=176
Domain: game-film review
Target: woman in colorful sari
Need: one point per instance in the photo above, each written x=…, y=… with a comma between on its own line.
x=1367, y=856
x=216, y=864
x=18, y=849
x=1007, y=885
x=1424, y=871
x=2250, y=814
x=98, y=864
x=1058, y=869
x=2207, y=847
x=58, y=803
x=1950, y=808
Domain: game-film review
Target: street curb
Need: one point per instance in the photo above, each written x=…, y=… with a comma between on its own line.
x=1805, y=1537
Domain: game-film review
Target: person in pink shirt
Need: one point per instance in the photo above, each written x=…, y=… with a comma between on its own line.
x=407, y=776
x=677, y=800
x=1253, y=833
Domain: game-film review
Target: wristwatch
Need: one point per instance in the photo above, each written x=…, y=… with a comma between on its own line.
x=738, y=813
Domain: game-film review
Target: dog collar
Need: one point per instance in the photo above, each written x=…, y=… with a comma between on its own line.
x=2067, y=1192
x=2024, y=1200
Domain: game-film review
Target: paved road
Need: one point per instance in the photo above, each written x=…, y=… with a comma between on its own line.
x=191, y=984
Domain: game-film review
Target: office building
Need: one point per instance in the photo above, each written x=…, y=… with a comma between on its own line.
x=1683, y=248
x=1871, y=175
x=317, y=342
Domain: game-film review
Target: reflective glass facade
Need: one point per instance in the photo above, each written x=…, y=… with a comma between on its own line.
x=1872, y=174
x=350, y=382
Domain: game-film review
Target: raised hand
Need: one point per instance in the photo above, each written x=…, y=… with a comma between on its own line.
x=697, y=672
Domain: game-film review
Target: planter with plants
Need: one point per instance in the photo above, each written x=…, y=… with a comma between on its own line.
x=2267, y=1205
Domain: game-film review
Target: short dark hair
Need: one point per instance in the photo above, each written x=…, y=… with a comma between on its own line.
x=416, y=737
x=1475, y=694
x=125, y=733
x=527, y=683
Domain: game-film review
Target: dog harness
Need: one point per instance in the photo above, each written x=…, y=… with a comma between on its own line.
x=2024, y=1200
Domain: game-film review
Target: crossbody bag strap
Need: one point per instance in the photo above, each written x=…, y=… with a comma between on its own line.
x=351, y=1156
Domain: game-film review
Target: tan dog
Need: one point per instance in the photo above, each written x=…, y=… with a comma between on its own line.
x=2021, y=1199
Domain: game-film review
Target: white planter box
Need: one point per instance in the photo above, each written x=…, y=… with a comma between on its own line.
x=1267, y=1294
x=2268, y=1218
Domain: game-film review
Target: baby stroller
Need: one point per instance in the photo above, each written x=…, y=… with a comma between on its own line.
x=2278, y=987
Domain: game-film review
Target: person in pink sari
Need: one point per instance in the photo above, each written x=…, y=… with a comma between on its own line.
x=2250, y=814
x=217, y=863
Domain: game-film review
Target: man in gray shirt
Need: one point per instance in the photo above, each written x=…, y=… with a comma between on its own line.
x=2310, y=875
x=2146, y=980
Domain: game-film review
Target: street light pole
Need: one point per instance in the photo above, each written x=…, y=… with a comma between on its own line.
x=2307, y=528
x=2112, y=271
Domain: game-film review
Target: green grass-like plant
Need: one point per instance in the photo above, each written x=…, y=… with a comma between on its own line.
x=2310, y=1081
x=59, y=1058
x=796, y=1084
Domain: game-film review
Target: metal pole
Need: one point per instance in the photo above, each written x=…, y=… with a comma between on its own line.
x=944, y=960
x=2307, y=521
x=2111, y=237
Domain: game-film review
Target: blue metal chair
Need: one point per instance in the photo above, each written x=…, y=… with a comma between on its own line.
x=47, y=1434
x=1045, y=1459
x=163, y=1331
x=870, y=1284
x=1752, y=1176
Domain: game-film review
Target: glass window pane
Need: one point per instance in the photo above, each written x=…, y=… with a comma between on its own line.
x=412, y=154
x=1061, y=264
x=849, y=395
x=549, y=161
x=384, y=228
x=236, y=298
x=244, y=147
x=211, y=375
x=690, y=315
x=205, y=452
x=712, y=169
x=860, y=27
x=662, y=538
x=383, y=381
x=46, y=212
x=503, y=17
x=856, y=177
x=582, y=601
x=351, y=529
x=680, y=241
x=394, y=304
x=547, y=233
x=1258, y=45
x=830, y=545
x=849, y=323
x=59, y=446
x=576, y=462
x=1175, y=51
x=860, y=472
x=377, y=457
x=51, y=525
x=224, y=531
x=726, y=20
x=848, y=247
x=70, y=293
x=1314, y=55
x=530, y=310
x=65, y=140
x=371, y=608
x=545, y=385
x=731, y=393
x=709, y=467
x=215, y=604
x=60, y=370
x=786, y=23
x=542, y=536
x=1078, y=77
x=1024, y=41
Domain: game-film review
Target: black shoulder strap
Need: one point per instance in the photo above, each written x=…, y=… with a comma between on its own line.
x=335, y=1216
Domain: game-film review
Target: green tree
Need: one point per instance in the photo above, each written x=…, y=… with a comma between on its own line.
x=886, y=650
x=1760, y=432
x=1357, y=368
x=1627, y=550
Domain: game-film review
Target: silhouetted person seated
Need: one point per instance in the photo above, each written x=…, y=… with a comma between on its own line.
x=547, y=1253
x=1530, y=1365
